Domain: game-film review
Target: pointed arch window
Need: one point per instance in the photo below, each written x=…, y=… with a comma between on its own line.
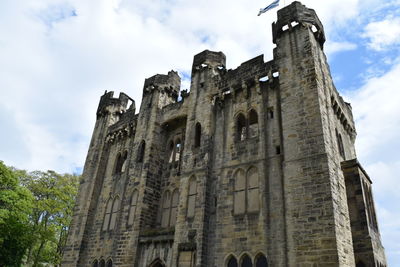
x=132, y=209
x=141, y=150
x=102, y=263
x=246, y=261
x=253, y=123
x=178, y=148
x=232, y=262
x=95, y=263
x=339, y=141
x=261, y=261
x=169, y=208
x=246, y=191
x=197, y=137
x=171, y=152
x=192, y=193
x=241, y=129
x=114, y=213
x=107, y=215
x=109, y=263
x=120, y=163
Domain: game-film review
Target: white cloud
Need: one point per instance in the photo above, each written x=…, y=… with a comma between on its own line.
x=335, y=47
x=383, y=34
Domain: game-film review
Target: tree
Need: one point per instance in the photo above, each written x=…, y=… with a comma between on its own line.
x=15, y=208
x=54, y=196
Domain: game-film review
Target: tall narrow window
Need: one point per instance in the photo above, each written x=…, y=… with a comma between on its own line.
x=340, y=144
x=142, y=148
x=178, y=148
x=166, y=204
x=241, y=127
x=174, y=207
x=197, y=138
x=171, y=152
x=102, y=263
x=246, y=261
x=192, y=193
x=95, y=263
x=232, y=262
x=253, y=123
x=239, y=192
x=107, y=215
x=109, y=263
x=261, y=261
x=117, y=162
x=123, y=161
x=252, y=196
x=132, y=209
x=114, y=213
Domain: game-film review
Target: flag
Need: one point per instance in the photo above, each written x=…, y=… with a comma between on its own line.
x=270, y=6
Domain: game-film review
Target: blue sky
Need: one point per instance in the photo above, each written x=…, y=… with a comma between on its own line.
x=58, y=56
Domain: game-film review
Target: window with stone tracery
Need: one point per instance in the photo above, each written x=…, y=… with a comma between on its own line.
x=246, y=191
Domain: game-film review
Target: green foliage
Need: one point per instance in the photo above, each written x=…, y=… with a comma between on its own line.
x=16, y=204
x=35, y=213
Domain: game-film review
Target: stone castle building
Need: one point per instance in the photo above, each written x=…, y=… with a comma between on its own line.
x=254, y=166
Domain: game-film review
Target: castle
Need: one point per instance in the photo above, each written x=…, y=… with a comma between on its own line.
x=254, y=166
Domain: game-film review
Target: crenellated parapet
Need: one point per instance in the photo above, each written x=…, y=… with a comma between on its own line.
x=169, y=84
x=296, y=13
x=109, y=105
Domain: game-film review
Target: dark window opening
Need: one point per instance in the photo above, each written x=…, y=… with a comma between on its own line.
x=261, y=261
x=171, y=152
x=246, y=261
x=102, y=263
x=120, y=164
x=109, y=263
x=197, y=138
x=232, y=262
x=141, y=150
x=360, y=264
x=241, y=127
x=340, y=144
x=95, y=263
x=278, y=150
x=270, y=113
x=253, y=123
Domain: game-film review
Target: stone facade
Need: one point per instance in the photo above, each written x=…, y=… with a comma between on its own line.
x=254, y=166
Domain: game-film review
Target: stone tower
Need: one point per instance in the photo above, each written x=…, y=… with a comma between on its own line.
x=254, y=166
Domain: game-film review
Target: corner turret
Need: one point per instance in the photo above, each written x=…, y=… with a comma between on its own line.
x=294, y=14
x=110, y=105
x=170, y=84
x=208, y=58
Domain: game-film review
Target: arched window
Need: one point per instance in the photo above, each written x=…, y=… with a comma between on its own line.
x=141, y=150
x=192, y=193
x=107, y=215
x=252, y=196
x=239, y=202
x=246, y=261
x=197, y=137
x=253, y=123
x=261, y=261
x=109, y=263
x=95, y=263
x=174, y=207
x=114, y=213
x=360, y=264
x=132, y=209
x=166, y=204
x=232, y=262
x=246, y=191
x=241, y=130
x=102, y=263
x=120, y=163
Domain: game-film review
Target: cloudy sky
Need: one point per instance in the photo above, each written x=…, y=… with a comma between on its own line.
x=58, y=56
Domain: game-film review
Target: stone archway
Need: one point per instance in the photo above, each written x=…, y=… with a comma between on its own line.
x=157, y=263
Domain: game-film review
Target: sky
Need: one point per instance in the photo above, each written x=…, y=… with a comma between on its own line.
x=59, y=56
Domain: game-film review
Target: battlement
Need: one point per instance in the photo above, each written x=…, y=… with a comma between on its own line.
x=208, y=58
x=295, y=14
x=170, y=83
x=107, y=100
